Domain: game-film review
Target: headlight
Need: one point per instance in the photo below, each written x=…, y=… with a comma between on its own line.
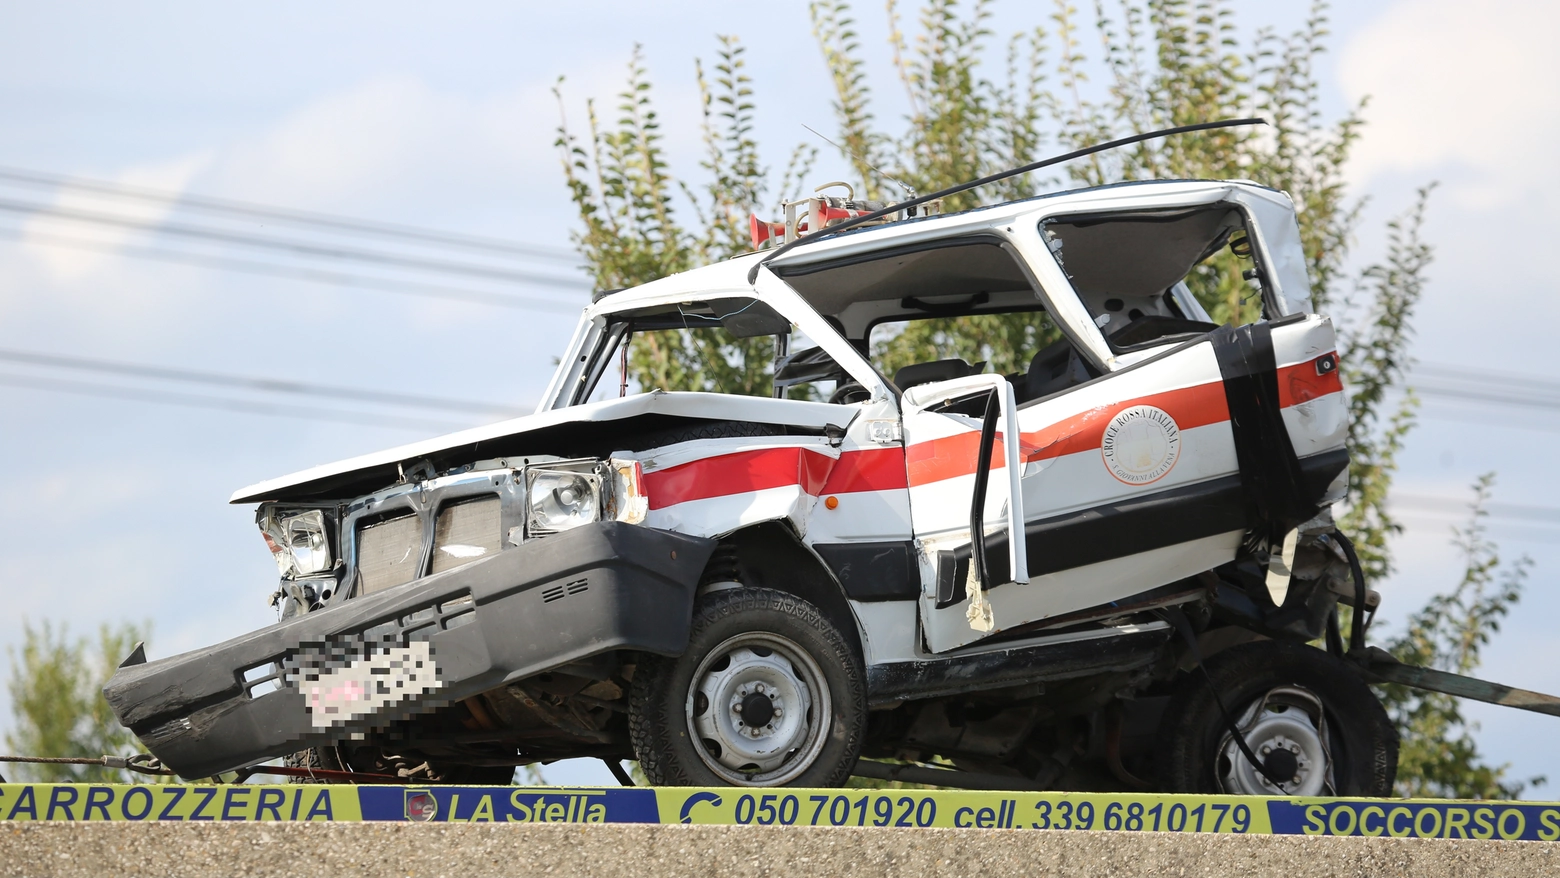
x=560, y=499
x=297, y=542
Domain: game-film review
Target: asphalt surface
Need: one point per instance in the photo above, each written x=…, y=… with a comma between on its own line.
x=338, y=850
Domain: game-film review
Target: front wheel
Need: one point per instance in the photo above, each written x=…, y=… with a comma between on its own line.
x=1314, y=724
x=768, y=693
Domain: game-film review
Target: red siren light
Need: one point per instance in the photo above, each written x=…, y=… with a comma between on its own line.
x=763, y=232
x=820, y=211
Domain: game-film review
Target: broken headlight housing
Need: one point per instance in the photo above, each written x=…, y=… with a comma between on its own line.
x=569, y=493
x=560, y=499
x=298, y=541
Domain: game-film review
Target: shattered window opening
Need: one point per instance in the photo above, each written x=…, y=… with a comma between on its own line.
x=1148, y=277
x=938, y=311
x=724, y=345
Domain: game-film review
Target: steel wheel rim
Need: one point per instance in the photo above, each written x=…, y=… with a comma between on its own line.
x=731, y=687
x=1285, y=717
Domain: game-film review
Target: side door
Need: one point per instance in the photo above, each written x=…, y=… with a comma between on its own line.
x=1114, y=487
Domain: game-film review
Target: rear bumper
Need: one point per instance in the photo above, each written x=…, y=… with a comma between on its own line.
x=368, y=662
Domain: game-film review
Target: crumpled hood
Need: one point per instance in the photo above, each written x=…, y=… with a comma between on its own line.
x=559, y=431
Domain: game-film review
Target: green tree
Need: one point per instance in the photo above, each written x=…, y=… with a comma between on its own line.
x=1160, y=63
x=1438, y=755
x=979, y=103
x=627, y=201
x=57, y=705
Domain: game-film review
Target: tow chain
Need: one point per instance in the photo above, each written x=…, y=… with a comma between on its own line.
x=146, y=763
x=141, y=763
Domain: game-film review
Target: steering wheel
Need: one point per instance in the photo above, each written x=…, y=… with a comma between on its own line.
x=848, y=393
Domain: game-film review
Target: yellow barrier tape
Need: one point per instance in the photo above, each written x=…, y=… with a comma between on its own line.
x=136, y=802
x=1113, y=812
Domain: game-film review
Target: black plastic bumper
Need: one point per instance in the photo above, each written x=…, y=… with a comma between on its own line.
x=535, y=607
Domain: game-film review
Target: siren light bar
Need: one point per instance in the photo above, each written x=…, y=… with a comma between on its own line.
x=823, y=211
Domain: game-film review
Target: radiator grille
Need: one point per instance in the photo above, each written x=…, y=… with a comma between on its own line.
x=389, y=552
x=466, y=531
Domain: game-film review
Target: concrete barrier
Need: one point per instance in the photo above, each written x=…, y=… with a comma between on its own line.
x=338, y=850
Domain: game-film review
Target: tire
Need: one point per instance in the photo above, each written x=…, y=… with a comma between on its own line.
x=1358, y=745
x=805, y=699
x=316, y=758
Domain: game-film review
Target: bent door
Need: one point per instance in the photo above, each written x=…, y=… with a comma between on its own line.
x=1129, y=482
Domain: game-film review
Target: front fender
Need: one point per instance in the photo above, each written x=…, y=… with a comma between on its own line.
x=367, y=662
x=712, y=487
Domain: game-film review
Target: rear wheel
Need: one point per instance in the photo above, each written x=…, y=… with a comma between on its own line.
x=1315, y=726
x=768, y=693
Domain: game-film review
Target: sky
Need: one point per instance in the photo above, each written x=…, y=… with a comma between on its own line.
x=444, y=117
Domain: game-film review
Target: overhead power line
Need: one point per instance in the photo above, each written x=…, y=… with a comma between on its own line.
x=1443, y=505
x=1485, y=386
x=209, y=204
x=316, y=275
x=303, y=248
x=122, y=393
x=264, y=385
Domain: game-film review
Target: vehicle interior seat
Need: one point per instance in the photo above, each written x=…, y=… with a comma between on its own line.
x=936, y=370
x=1056, y=367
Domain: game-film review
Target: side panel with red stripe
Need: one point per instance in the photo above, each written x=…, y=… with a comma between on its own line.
x=1136, y=479
x=710, y=487
x=1063, y=438
x=1153, y=430
x=850, y=493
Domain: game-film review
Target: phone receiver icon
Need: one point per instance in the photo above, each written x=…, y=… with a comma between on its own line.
x=695, y=799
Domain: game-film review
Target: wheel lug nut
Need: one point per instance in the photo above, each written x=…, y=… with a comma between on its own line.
x=1266, y=750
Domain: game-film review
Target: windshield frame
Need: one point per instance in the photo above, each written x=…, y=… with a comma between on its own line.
x=593, y=339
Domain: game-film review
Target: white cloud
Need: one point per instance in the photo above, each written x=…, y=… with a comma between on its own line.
x=396, y=148
x=68, y=264
x=390, y=148
x=1462, y=90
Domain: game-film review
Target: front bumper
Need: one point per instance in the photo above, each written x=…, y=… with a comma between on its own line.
x=533, y=608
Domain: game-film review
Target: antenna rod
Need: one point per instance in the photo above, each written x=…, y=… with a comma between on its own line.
x=908, y=190
x=992, y=178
